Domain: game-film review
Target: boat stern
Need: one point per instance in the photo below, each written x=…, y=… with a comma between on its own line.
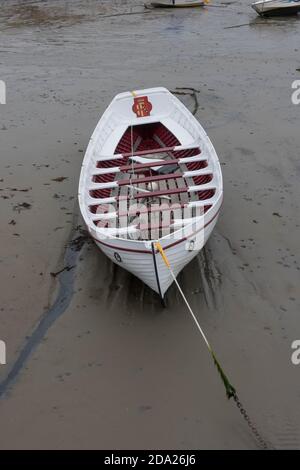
x=142, y=106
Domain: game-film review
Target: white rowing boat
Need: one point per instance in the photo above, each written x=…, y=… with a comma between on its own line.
x=177, y=3
x=276, y=7
x=150, y=173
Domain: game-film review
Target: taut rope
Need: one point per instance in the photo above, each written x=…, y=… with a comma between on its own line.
x=230, y=390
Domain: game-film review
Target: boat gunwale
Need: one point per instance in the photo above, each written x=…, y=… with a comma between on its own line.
x=202, y=137
x=149, y=242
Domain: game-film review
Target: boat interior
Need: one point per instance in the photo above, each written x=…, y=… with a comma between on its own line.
x=145, y=176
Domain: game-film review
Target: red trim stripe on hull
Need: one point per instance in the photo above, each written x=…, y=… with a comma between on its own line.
x=165, y=248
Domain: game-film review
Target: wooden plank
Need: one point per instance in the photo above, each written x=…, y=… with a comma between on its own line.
x=172, y=185
x=145, y=231
x=184, y=197
x=139, y=153
x=159, y=193
x=159, y=209
x=149, y=151
x=150, y=179
x=124, y=194
x=163, y=230
x=150, y=164
x=140, y=166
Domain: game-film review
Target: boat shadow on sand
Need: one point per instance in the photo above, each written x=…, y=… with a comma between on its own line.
x=281, y=21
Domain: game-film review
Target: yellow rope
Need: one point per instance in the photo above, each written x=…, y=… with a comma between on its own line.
x=163, y=255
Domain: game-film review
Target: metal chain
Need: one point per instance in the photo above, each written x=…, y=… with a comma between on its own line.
x=252, y=426
x=230, y=391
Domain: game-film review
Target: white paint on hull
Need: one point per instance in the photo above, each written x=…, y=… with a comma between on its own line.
x=278, y=6
x=177, y=3
x=142, y=265
x=136, y=255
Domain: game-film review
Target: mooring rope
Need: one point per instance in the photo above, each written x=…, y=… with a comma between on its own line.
x=132, y=151
x=230, y=390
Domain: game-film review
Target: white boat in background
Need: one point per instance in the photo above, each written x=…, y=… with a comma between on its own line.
x=276, y=7
x=150, y=174
x=177, y=3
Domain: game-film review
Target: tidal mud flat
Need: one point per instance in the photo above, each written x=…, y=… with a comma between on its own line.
x=93, y=361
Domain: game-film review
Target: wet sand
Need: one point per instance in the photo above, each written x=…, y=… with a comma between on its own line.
x=93, y=361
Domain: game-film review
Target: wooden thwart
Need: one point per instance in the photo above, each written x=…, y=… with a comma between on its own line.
x=157, y=150
x=202, y=188
x=150, y=164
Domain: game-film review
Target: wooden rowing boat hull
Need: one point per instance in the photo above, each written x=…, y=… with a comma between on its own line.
x=141, y=265
x=277, y=7
x=178, y=4
x=150, y=174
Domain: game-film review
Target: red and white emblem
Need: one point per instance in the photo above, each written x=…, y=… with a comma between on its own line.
x=142, y=106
